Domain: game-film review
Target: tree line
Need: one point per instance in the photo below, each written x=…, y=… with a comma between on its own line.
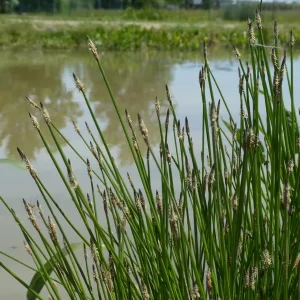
x=65, y=6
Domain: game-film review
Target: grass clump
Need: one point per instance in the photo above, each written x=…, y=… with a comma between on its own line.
x=219, y=224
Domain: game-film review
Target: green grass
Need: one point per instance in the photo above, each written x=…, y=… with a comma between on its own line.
x=132, y=37
x=284, y=15
x=222, y=221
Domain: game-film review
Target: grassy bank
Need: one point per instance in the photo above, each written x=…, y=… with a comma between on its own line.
x=130, y=36
x=287, y=14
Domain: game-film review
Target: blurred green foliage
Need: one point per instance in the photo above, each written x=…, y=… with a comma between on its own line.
x=130, y=38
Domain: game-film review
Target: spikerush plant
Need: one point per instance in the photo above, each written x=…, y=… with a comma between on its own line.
x=225, y=229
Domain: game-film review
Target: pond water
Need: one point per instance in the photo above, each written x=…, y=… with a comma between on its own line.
x=136, y=80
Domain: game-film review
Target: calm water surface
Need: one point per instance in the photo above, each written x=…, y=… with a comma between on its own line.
x=136, y=80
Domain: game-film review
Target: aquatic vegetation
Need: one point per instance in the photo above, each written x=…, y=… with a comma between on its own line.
x=134, y=37
x=218, y=222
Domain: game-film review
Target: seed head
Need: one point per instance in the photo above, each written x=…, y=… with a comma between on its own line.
x=202, y=76
x=88, y=128
x=251, y=34
x=257, y=82
x=195, y=295
x=247, y=279
x=27, y=248
x=66, y=246
x=30, y=214
x=173, y=224
x=167, y=120
x=187, y=126
x=52, y=230
x=78, y=83
x=235, y=203
x=34, y=121
x=76, y=127
x=236, y=52
x=180, y=206
x=137, y=201
x=72, y=179
x=93, y=150
x=135, y=144
x=105, y=207
x=252, y=278
x=241, y=85
x=214, y=117
x=209, y=284
x=244, y=114
x=169, y=97
x=109, y=282
x=145, y=293
x=93, y=49
x=128, y=119
x=194, y=180
x=158, y=203
x=111, y=264
x=142, y=199
x=204, y=51
x=276, y=85
x=298, y=143
x=89, y=169
x=27, y=163
x=169, y=155
x=258, y=20
x=95, y=274
x=94, y=251
x=282, y=68
x=291, y=210
x=130, y=181
x=226, y=176
x=286, y=195
x=89, y=202
x=267, y=261
x=248, y=72
x=143, y=129
x=125, y=209
x=274, y=58
x=290, y=166
x=32, y=103
x=188, y=172
x=229, y=260
x=123, y=222
x=157, y=107
x=39, y=209
x=275, y=30
x=45, y=114
x=292, y=39
x=297, y=261
x=211, y=177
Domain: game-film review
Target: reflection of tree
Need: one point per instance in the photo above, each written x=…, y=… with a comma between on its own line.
x=136, y=83
x=41, y=81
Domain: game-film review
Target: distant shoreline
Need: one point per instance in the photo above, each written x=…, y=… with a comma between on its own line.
x=129, y=35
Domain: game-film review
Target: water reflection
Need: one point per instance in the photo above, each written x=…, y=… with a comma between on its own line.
x=47, y=78
x=41, y=80
x=136, y=80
